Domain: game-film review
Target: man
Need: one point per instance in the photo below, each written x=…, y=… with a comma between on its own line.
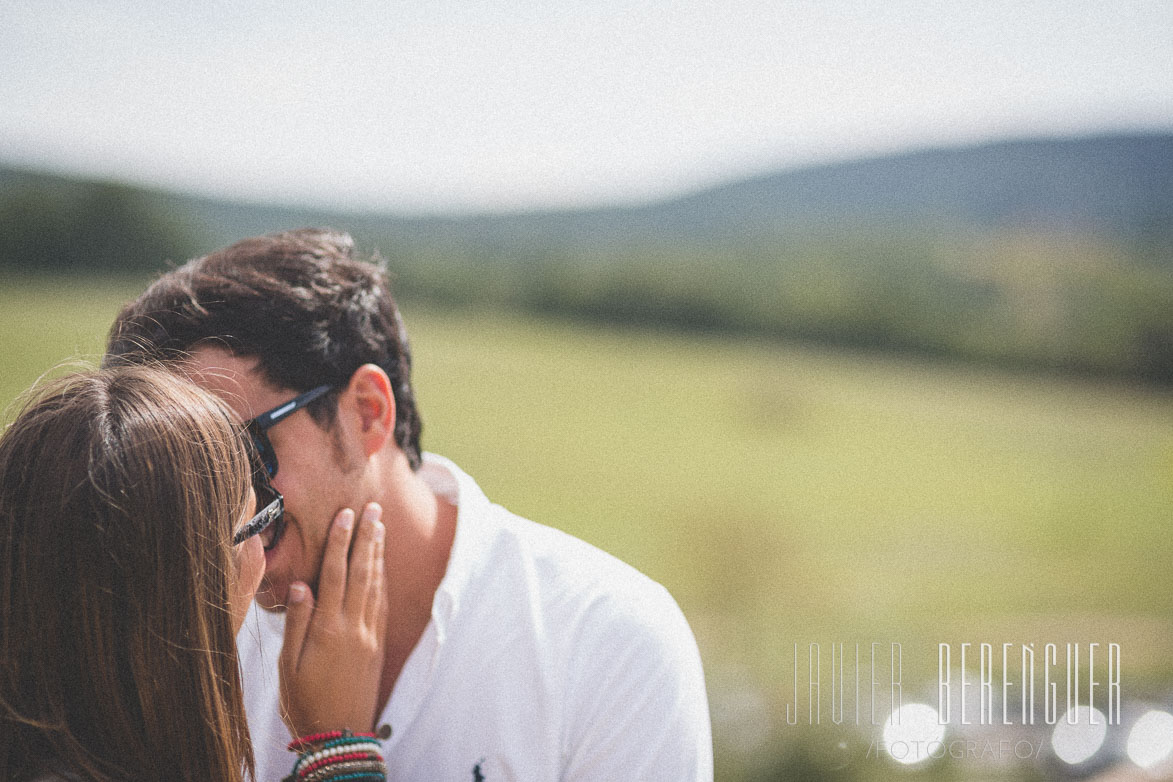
x=513, y=651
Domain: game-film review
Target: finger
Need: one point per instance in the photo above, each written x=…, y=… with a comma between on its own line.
x=297, y=622
x=373, y=613
x=332, y=577
x=362, y=566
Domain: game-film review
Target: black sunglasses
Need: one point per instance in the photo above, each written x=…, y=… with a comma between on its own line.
x=269, y=520
x=257, y=426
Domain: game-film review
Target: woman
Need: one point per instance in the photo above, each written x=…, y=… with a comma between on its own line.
x=121, y=588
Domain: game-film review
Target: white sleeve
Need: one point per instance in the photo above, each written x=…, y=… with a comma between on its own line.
x=636, y=705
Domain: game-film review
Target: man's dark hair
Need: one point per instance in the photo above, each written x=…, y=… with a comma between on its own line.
x=298, y=301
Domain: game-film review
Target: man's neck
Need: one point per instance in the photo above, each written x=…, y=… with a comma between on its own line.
x=420, y=531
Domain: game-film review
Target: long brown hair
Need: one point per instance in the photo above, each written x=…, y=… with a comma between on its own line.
x=119, y=492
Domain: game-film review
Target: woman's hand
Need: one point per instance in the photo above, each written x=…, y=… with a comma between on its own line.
x=332, y=656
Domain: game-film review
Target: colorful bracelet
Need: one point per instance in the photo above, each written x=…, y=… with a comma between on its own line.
x=308, y=763
x=337, y=756
x=334, y=770
x=300, y=745
x=346, y=770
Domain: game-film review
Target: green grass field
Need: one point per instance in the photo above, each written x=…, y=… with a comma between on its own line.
x=784, y=494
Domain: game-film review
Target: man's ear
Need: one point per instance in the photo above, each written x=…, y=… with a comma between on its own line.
x=371, y=402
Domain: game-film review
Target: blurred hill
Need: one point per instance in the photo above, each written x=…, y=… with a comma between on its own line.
x=1121, y=185
x=1118, y=184
x=1050, y=253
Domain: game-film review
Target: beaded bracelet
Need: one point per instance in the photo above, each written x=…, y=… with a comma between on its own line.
x=350, y=767
x=347, y=770
x=300, y=745
x=337, y=756
x=372, y=769
x=335, y=749
x=309, y=763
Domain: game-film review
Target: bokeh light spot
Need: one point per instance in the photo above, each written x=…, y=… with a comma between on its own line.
x=1150, y=742
x=912, y=732
x=1075, y=743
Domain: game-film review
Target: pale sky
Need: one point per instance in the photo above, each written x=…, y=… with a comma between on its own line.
x=446, y=105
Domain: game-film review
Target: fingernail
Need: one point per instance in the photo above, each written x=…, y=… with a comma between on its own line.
x=379, y=530
x=297, y=593
x=372, y=511
x=345, y=519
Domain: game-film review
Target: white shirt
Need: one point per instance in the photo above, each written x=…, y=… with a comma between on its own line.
x=545, y=659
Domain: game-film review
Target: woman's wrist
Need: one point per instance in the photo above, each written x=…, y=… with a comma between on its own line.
x=337, y=756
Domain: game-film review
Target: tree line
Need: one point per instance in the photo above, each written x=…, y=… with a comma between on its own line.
x=1025, y=298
